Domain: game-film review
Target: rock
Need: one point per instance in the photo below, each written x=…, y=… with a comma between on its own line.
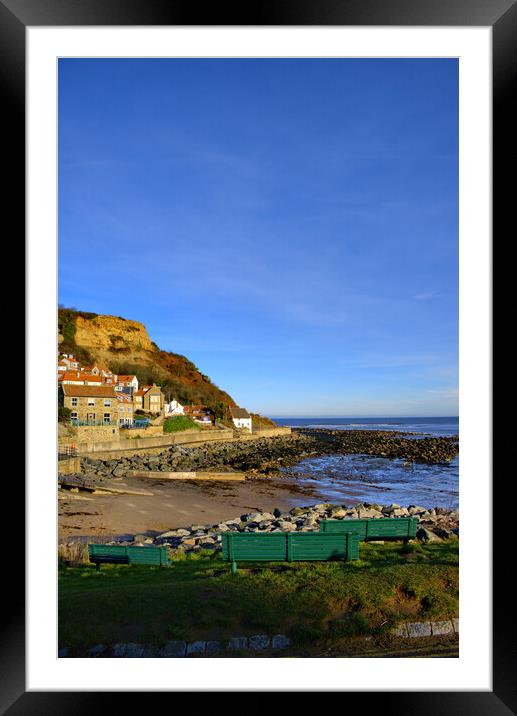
x=425, y=535
x=196, y=647
x=134, y=651
x=119, y=651
x=369, y=514
x=456, y=625
x=212, y=647
x=286, y=526
x=419, y=629
x=259, y=517
x=173, y=649
x=337, y=513
x=440, y=628
x=238, y=642
x=280, y=641
x=442, y=532
x=94, y=652
x=277, y=512
x=258, y=642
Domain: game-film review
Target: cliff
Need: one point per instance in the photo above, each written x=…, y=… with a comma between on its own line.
x=124, y=346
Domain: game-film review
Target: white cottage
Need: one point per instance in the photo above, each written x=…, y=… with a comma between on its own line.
x=174, y=408
x=241, y=419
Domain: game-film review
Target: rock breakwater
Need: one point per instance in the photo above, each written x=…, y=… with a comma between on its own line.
x=434, y=524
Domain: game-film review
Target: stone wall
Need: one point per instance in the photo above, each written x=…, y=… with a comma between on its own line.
x=270, y=432
x=161, y=441
x=69, y=465
x=91, y=434
x=96, y=433
x=151, y=431
x=111, y=449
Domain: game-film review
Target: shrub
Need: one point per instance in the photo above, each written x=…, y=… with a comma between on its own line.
x=64, y=414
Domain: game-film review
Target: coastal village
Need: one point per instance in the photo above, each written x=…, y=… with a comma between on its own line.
x=95, y=396
x=159, y=468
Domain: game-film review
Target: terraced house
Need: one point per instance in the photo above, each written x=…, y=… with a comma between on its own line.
x=149, y=398
x=90, y=404
x=125, y=409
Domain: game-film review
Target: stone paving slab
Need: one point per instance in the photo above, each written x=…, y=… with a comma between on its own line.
x=258, y=642
x=418, y=629
x=174, y=649
x=442, y=628
x=196, y=647
x=238, y=642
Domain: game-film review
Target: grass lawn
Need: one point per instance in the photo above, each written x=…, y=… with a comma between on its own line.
x=316, y=603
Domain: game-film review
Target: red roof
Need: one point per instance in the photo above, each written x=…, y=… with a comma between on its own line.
x=76, y=375
x=94, y=391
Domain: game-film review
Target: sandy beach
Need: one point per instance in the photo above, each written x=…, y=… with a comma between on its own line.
x=172, y=505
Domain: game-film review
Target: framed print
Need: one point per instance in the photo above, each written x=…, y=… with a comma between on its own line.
x=81, y=74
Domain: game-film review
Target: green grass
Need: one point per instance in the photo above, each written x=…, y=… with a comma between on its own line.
x=316, y=603
x=177, y=423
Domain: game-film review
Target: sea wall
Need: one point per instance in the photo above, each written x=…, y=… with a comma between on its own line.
x=113, y=449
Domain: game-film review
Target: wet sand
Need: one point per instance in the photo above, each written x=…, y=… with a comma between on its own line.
x=173, y=505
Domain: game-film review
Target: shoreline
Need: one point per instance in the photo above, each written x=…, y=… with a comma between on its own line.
x=175, y=505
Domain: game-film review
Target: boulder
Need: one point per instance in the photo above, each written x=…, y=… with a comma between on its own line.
x=425, y=535
x=238, y=642
x=173, y=649
x=196, y=647
x=258, y=642
x=280, y=641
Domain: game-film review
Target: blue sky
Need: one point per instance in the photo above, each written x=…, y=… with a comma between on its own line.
x=289, y=225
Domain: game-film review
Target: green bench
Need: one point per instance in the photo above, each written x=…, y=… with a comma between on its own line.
x=122, y=554
x=288, y=547
x=375, y=528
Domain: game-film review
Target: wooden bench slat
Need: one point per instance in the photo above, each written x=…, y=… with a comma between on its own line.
x=288, y=546
x=382, y=528
x=126, y=554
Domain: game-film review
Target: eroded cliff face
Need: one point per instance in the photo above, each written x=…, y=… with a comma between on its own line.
x=112, y=334
x=124, y=346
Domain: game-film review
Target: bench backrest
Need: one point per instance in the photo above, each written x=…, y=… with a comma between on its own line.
x=375, y=528
x=134, y=555
x=288, y=546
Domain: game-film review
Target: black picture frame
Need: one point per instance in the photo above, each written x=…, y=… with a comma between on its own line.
x=501, y=16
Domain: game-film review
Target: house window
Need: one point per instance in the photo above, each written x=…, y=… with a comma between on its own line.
x=107, y=403
x=74, y=402
x=73, y=416
x=107, y=418
x=91, y=401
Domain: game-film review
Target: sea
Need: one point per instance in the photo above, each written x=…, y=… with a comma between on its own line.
x=348, y=479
